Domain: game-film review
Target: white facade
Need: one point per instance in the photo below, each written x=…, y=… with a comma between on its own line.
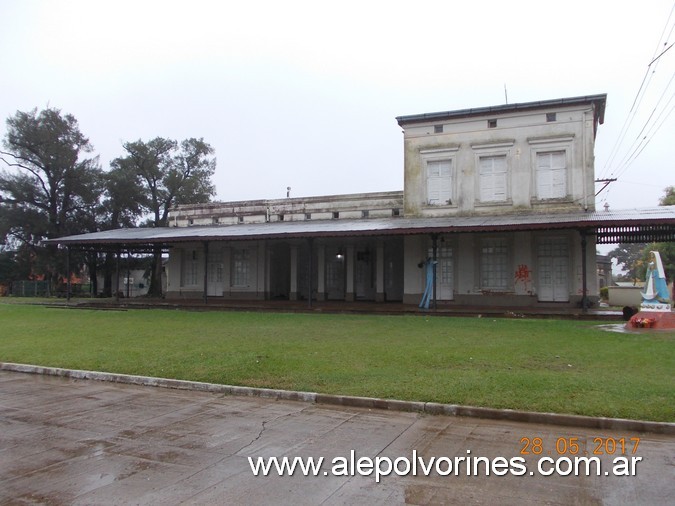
x=516, y=161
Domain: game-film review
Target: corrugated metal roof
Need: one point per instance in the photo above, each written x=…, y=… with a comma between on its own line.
x=387, y=226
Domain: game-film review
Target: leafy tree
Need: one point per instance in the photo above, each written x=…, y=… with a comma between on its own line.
x=123, y=198
x=51, y=185
x=629, y=258
x=168, y=174
x=668, y=198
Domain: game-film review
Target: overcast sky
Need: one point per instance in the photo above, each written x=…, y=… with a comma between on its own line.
x=305, y=93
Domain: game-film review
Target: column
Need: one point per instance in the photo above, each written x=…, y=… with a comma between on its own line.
x=293, y=293
x=379, y=272
x=321, y=273
x=349, y=273
x=206, y=272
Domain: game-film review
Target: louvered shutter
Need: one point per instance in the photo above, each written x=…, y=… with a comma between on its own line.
x=551, y=175
x=493, y=179
x=439, y=182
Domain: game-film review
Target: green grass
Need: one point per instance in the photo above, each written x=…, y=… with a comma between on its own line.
x=558, y=366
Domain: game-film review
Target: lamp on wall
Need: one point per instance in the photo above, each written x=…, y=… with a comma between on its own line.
x=339, y=255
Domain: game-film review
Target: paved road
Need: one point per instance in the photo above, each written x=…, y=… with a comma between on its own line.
x=87, y=442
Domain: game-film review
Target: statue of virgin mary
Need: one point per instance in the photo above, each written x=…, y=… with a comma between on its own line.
x=656, y=289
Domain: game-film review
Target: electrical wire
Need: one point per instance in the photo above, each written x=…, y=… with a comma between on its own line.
x=646, y=143
x=639, y=96
x=641, y=140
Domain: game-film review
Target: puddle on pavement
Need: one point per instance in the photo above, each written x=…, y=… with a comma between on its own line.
x=622, y=329
x=618, y=327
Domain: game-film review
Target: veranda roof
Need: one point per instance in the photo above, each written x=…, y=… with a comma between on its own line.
x=628, y=225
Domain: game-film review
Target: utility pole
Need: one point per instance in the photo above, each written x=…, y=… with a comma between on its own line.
x=606, y=181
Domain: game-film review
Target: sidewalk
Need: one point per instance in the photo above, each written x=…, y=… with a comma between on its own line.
x=65, y=441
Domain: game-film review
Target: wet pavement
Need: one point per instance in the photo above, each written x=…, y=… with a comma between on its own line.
x=65, y=441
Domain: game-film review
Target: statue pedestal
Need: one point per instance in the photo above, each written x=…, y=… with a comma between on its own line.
x=656, y=306
x=659, y=319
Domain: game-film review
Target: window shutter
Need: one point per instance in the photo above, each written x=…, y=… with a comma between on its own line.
x=544, y=182
x=559, y=174
x=493, y=179
x=551, y=175
x=485, y=180
x=500, y=178
x=439, y=182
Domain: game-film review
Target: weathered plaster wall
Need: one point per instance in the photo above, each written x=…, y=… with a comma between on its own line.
x=518, y=135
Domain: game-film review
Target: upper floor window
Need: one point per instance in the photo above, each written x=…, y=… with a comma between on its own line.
x=439, y=182
x=550, y=162
x=439, y=175
x=551, y=175
x=493, y=178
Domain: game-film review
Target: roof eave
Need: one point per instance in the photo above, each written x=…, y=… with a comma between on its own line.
x=598, y=101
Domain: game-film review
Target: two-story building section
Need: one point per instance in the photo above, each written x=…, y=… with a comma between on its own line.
x=515, y=159
x=500, y=199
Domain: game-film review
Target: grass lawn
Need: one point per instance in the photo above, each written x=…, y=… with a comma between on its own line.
x=561, y=366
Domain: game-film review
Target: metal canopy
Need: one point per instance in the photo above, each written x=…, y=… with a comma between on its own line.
x=635, y=234
x=630, y=226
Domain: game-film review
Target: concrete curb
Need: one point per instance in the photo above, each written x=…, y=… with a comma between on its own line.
x=432, y=408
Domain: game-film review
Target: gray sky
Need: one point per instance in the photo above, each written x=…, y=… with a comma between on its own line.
x=305, y=93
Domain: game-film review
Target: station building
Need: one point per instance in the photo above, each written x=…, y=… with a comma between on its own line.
x=500, y=199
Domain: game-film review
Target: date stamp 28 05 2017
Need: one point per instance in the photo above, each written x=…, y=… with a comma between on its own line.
x=573, y=446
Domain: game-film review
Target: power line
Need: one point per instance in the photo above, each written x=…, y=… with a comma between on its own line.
x=644, y=85
x=632, y=159
x=662, y=53
x=634, y=150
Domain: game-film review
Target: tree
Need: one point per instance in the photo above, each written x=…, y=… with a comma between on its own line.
x=668, y=198
x=629, y=258
x=168, y=174
x=51, y=185
x=123, y=199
